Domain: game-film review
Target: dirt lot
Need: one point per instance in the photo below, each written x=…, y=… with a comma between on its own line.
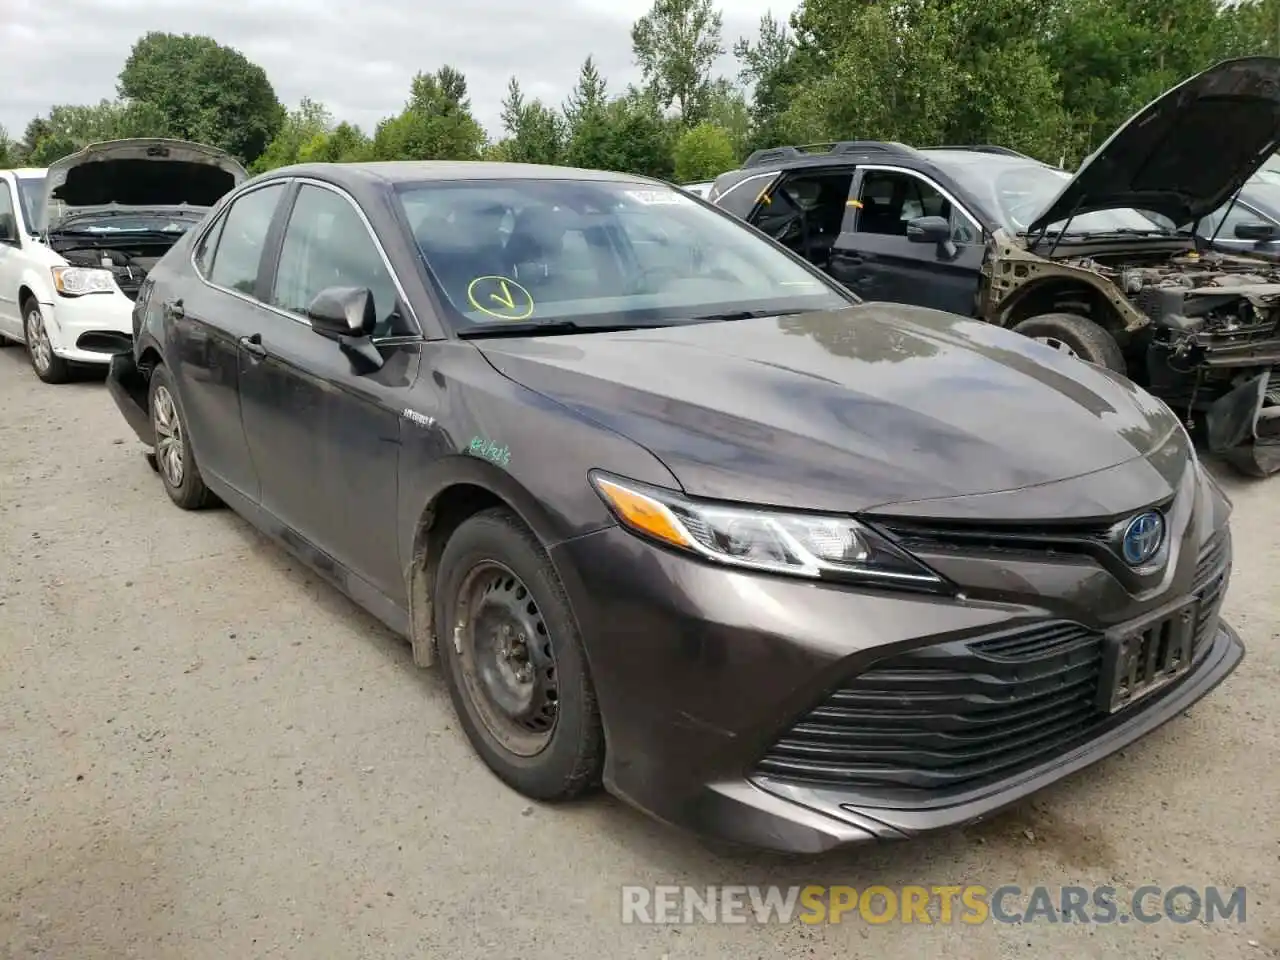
x=204, y=753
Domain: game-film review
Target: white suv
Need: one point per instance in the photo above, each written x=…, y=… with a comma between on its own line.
x=78, y=239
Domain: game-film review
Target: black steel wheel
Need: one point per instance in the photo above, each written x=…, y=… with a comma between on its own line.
x=514, y=661
x=506, y=659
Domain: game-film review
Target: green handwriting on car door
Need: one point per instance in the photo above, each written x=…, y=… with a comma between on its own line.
x=488, y=450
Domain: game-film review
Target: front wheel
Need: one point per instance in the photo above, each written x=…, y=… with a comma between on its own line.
x=514, y=661
x=177, y=464
x=48, y=366
x=1075, y=336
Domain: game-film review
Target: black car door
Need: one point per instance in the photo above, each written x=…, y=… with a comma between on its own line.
x=878, y=261
x=323, y=427
x=206, y=319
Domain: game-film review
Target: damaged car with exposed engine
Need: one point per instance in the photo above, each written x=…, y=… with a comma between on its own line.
x=1092, y=264
x=73, y=266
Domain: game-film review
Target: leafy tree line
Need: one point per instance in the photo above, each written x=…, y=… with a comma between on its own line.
x=1051, y=78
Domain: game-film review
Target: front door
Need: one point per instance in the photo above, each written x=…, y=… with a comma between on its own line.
x=876, y=260
x=323, y=429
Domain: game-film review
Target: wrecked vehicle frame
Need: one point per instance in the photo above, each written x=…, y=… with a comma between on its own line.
x=1105, y=265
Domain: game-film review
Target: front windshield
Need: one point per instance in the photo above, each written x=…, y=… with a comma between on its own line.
x=1018, y=192
x=598, y=253
x=31, y=196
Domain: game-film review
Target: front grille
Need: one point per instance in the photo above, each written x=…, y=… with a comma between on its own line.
x=955, y=715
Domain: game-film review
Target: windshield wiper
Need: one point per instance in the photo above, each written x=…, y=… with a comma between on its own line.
x=517, y=328
x=744, y=315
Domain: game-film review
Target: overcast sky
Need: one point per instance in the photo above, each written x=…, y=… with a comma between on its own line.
x=357, y=58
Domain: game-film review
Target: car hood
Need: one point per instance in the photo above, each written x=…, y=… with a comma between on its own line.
x=143, y=173
x=845, y=410
x=1187, y=152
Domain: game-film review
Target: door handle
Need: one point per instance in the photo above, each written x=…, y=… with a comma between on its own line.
x=253, y=344
x=174, y=309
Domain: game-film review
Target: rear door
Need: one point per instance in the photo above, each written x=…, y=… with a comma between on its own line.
x=206, y=320
x=876, y=260
x=323, y=430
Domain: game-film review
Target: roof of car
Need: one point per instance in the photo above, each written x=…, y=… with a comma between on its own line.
x=412, y=171
x=27, y=173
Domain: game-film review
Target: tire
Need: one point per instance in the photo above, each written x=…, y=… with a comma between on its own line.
x=48, y=366
x=178, y=470
x=495, y=548
x=1079, y=335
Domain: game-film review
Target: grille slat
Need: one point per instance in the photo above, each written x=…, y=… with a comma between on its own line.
x=956, y=714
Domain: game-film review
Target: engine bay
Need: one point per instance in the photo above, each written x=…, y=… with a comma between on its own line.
x=128, y=262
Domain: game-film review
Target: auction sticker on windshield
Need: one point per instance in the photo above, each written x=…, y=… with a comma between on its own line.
x=500, y=297
x=657, y=197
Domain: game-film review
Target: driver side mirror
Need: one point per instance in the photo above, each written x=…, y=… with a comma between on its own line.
x=348, y=315
x=343, y=312
x=935, y=230
x=1255, y=231
x=929, y=230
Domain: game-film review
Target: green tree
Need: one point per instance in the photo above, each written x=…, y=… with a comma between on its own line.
x=535, y=133
x=8, y=150
x=676, y=45
x=302, y=126
x=589, y=95
x=68, y=128
x=205, y=91
x=703, y=153
x=436, y=123
x=771, y=70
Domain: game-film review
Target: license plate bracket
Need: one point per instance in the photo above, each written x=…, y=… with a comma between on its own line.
x=1142, y=657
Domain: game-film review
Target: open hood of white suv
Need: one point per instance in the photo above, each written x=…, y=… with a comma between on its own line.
x=139, y=174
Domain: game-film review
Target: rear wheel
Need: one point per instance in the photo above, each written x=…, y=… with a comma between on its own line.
x=48, y=366
x=1075, y=336
x=514, y=662
x=177, y=465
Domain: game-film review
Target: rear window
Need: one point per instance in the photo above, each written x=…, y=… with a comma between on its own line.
x=618, y=251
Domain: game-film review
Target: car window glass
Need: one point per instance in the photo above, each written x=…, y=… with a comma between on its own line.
x=8, y=222
x=208, y=243
x=740, y=196
x=326, y=244
x=891, y=199
x=243, y=235
x=31, y=202
x=617, y=250
x=1238, y=214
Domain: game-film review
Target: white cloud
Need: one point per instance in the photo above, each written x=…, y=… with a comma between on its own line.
x=357, y=58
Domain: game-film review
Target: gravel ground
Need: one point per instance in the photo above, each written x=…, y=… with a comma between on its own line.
x=206, y=753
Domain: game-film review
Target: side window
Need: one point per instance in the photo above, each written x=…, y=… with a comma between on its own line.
x=1239, y=214
x=8, y=222
x=740, y=198
x=241, y=238
x=326, y=244
x=890, y=200
x=208, y=243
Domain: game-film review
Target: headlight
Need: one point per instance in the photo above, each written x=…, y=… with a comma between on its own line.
x=78, y=281
x=817, y=546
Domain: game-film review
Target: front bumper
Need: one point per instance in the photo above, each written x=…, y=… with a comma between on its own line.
x=129, y=389
x=701, y=672
x=76, y=324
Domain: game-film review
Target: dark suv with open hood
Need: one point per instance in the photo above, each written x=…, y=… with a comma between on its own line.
x=1092, y=264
